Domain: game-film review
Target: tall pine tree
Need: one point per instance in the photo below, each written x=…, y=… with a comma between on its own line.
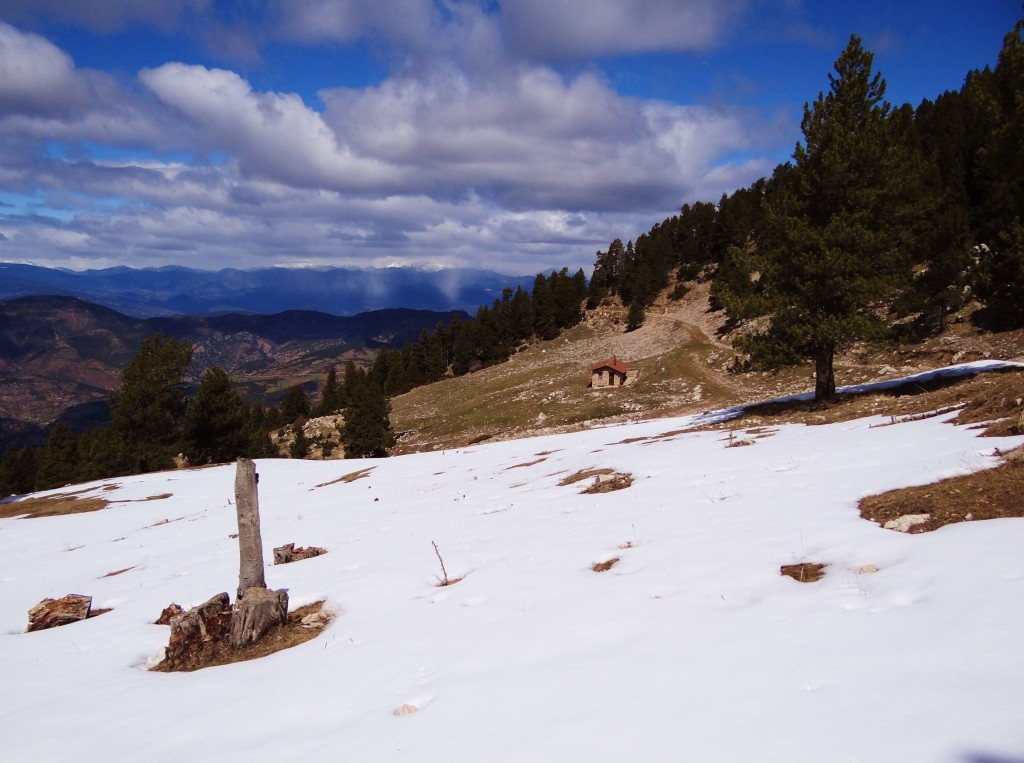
x=837, y=239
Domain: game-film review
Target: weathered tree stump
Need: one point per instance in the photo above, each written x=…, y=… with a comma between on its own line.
x=256, y=612
x=170, y=611
x=250, y=543
x=289, y=553
x=51, y=613
x=192, y=630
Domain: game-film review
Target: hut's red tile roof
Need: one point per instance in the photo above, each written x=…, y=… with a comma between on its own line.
x=615, y=364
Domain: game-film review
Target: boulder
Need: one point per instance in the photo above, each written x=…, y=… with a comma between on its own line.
x=51, y=613
x=906, y=522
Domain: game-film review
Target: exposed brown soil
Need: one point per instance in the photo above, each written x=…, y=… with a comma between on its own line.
x=805, y=572
x=53, y=505
x=350, y=477
x=684, y=356
x=276, y=639
x=118, y=572
x=609, y=483
x=528, y=463
x=604, y=566
x=583, y=474
x=159, y=497
x=989, y=494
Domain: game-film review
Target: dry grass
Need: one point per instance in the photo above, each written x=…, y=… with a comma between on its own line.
x=448, y=581
x=159, y=497
x=528, y=463
x=990, y=494
x=276, y=639
x=805, y=572
x=350, y=477
x=604, y=566
x=60, y=504
x=56, y=505
x=118, y=572
x=609, y=483
x=583, y=474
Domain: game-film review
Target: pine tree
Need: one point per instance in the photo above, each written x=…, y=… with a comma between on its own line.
x=295, y=404
x=148, y=409
x=300, y=445
x=836, y=240
x=635, y=318
x=1001, y=274
x=544, y=324
x=59, y=463
x=330, y=397
x=215, y=429
x=18, y=468
x=367, y=429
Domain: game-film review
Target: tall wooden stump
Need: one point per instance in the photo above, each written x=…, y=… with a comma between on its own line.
x=250, y=542
x=257, y=610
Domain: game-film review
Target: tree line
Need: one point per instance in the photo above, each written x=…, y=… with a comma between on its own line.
x=492, y=336
x=886, y=221
x=153, y=420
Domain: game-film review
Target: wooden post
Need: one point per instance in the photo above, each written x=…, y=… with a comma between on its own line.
x=250, y=543
x=257, y=610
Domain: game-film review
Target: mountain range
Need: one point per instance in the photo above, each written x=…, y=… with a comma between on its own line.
x=60, y=357
x=149, y=292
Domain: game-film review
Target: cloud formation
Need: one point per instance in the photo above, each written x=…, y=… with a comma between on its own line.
x=476, y=149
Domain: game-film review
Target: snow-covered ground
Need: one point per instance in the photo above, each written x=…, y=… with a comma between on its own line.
x=693, y=647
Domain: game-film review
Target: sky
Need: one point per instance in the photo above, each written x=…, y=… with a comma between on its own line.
x=512, y=135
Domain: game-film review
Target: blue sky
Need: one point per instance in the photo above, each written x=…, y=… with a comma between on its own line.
x=516, y=135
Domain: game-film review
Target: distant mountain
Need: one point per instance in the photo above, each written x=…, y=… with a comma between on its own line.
x=62, y=356
x=335, y=291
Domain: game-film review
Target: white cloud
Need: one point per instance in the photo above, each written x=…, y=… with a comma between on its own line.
x=36, y=77
x=463, y=156
x=274, y=135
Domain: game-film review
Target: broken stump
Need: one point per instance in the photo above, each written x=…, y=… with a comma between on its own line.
x=256, y=612
x=192, y=630
x=170, y=611
x=52, y=613
x=289, y=553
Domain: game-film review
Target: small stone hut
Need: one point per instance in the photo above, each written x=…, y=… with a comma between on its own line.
x=609, y=373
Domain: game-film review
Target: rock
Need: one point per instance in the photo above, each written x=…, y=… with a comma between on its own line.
x=52, y=613
x=906, y=522
x=968, y=517
x=948, y=340
x=259, y=610
x=170, y=611
x=289, y=553
x=866, y=569
x=192, y=630
x=406, y=710
x=315, y=620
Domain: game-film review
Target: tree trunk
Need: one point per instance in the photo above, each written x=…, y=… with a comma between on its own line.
x=824, y=374
x=255, y=613
x=250, y=543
